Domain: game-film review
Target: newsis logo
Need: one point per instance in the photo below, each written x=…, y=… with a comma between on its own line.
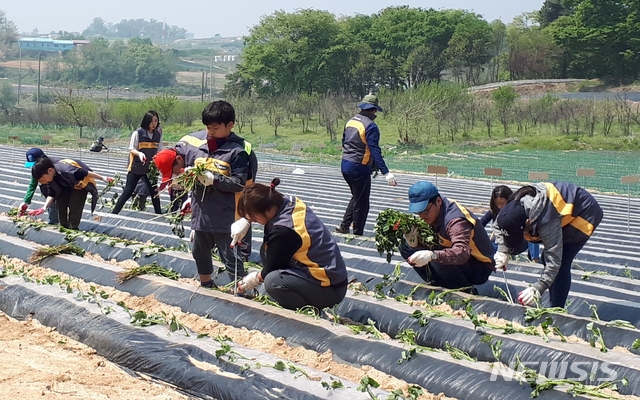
x=579, y=371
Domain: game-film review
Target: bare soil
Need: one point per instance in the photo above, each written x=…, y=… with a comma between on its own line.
x=251, y=339
x=38, y=362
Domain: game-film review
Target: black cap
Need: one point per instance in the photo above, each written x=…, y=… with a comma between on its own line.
x=511, y=221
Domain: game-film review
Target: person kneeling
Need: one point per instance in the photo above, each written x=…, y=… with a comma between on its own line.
x=301, y=261
x=463, y=256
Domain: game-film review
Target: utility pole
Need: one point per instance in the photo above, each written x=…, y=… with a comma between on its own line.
x=19, y=72
x=202, y=89
x=38, y=93
x=211, y=78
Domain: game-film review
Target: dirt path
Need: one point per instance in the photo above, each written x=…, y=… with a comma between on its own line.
x=38, y=362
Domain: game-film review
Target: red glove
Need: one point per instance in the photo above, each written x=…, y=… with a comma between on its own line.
x=109, y=180
x=163, y=185
x=186, y=207
x=23, y=208
x=39, y=211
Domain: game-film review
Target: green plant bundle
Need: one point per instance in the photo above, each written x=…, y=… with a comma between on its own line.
x=189, y=179
x=153, y=174
x=45, y=252
x=151, y=269
x=392, y=225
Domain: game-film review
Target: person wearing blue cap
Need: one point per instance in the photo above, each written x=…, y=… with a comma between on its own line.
x=361, y=153
x=34, y=155
x=561, y=216
x=463, y=256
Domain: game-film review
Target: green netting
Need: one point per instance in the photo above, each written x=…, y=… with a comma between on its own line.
x=610, y=166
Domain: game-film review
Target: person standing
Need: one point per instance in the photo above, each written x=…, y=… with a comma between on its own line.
x=145, y=142
x=361, y=153
x=560, y=215
x=213, y=199
x=464, y=254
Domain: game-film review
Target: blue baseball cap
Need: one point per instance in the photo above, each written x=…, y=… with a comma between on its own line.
x=512, y=220
x=32, y=156
x=419, y=195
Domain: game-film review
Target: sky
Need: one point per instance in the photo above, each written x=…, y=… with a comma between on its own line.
x=227, y=18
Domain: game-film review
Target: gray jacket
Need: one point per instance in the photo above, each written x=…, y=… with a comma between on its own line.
x=549, y=233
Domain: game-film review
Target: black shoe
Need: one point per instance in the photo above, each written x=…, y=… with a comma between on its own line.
x=342, y=229
x=209, y=285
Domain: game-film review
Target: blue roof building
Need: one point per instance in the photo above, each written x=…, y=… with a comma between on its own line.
x=46, y=44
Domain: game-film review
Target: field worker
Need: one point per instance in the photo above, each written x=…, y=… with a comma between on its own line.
x=463, y=256
x=301, y=261
x=33, y=155
x=499, y=198
x=213, y=200
x=560, y=215
x=145, y=142
x=361, y=153
x=68, y=182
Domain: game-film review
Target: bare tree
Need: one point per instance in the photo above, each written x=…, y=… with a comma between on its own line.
x=76, y=109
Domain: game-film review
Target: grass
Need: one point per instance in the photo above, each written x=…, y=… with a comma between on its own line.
x=45, y=252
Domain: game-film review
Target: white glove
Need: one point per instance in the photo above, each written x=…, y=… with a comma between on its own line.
x=529, y=297
x=501, y=259
x=192, y=235
x=249, y=282
x=142, y=157
x=391, y=179
x=239, y=230
x=412, y=237
x=421, y=258
x=207, y=179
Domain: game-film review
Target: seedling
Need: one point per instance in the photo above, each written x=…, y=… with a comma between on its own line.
x=150, y=269
x=333, y=314
x=370, y=328
x=457, y=353
x=225, y=348
x=502, y=293
x=534, y=313
x=636, y=344
x=425, y=316
x=594, y=311
x=310, y=311
x=266, y=300
x=175, y=325
x=387, y=280
x=626, y=272
x=335, y=384
x=587, y=276
x=366, y=383
x=621, y=324
x=596, y=337
x=140, y=318
x=495, y=346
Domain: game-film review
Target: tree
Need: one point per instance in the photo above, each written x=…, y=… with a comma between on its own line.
x=531, y=52
x=599, y=39
x=288, y=53
x=8, y=34
x=97, y=27
x=76, y=109
x=504, y=99
x=552, y=10
x=468, y=48
x=8, y=97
